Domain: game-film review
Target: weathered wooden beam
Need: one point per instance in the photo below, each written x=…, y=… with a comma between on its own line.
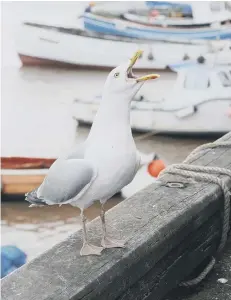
x=169, y=233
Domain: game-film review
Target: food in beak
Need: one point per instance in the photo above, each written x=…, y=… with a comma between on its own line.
x=132, y=63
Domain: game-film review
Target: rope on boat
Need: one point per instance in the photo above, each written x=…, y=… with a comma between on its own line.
x=146, y=135
x=206, y=174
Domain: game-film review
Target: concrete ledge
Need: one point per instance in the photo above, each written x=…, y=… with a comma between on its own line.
x=169, y=233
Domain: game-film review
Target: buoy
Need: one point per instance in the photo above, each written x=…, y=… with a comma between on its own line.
x=155, y=167
x=201, y=59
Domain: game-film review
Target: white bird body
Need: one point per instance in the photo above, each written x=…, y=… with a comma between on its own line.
x=112, y=152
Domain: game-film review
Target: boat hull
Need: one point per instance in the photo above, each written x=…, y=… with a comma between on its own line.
x=8, y=163
x=21, y=181
x=28, y=60
x=42, y=46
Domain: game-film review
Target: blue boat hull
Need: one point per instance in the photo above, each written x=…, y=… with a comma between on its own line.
x=144, y=32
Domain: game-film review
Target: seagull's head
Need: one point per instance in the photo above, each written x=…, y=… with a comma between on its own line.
x=123, y=83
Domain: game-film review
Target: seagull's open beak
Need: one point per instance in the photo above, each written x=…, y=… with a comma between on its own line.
x=132, y=63
x=147, y=77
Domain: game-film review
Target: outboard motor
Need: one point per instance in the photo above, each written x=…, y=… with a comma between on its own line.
x=186, y=57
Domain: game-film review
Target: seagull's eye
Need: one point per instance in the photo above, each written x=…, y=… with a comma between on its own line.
x=116, y=75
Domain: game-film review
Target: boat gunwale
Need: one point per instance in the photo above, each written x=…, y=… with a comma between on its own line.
x=145, y=28
x=25, y=163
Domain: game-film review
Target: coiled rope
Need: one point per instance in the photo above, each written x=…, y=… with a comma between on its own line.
x=206, y=174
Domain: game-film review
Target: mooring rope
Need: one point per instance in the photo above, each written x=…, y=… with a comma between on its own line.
x=146, y=135
x=206, y=174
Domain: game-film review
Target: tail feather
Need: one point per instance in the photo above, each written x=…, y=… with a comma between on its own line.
x=33, y=199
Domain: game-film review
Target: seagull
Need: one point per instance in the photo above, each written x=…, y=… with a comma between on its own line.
x=104, y=163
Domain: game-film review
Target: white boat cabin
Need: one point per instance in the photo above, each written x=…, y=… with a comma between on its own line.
x=202, y=82
x=200, y=102
x=209, y=11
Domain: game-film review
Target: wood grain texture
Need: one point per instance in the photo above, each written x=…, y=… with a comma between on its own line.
x=169, y=233
x=20, y=184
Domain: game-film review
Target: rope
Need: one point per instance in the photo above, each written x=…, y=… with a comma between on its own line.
x=146, y=135
x=201, y=276
x=206, y=174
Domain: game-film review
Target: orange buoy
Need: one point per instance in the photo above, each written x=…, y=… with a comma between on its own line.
x=155, y=167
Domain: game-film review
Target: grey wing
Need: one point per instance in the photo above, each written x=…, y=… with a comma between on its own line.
x=65, y=180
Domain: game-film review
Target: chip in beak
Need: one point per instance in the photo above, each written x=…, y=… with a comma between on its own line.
x=132, y=63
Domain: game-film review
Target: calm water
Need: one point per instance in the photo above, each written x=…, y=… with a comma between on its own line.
x=27, y=90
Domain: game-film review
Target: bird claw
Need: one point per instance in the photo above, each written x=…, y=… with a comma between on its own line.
x=89, y=249
x=112, y=243
x=36, y=205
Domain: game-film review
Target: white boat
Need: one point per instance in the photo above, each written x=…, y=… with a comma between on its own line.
x=161, y=19
x=42, y=44
x=200, y=102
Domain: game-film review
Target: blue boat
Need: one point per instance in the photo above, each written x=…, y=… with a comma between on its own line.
x=125, y=28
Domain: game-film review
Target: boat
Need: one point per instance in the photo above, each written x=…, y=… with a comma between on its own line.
x=207, y=21
x=199, y=103
x=45, y=44
x=121, y=27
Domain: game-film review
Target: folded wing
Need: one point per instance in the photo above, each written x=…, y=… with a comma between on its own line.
x=66, y=180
